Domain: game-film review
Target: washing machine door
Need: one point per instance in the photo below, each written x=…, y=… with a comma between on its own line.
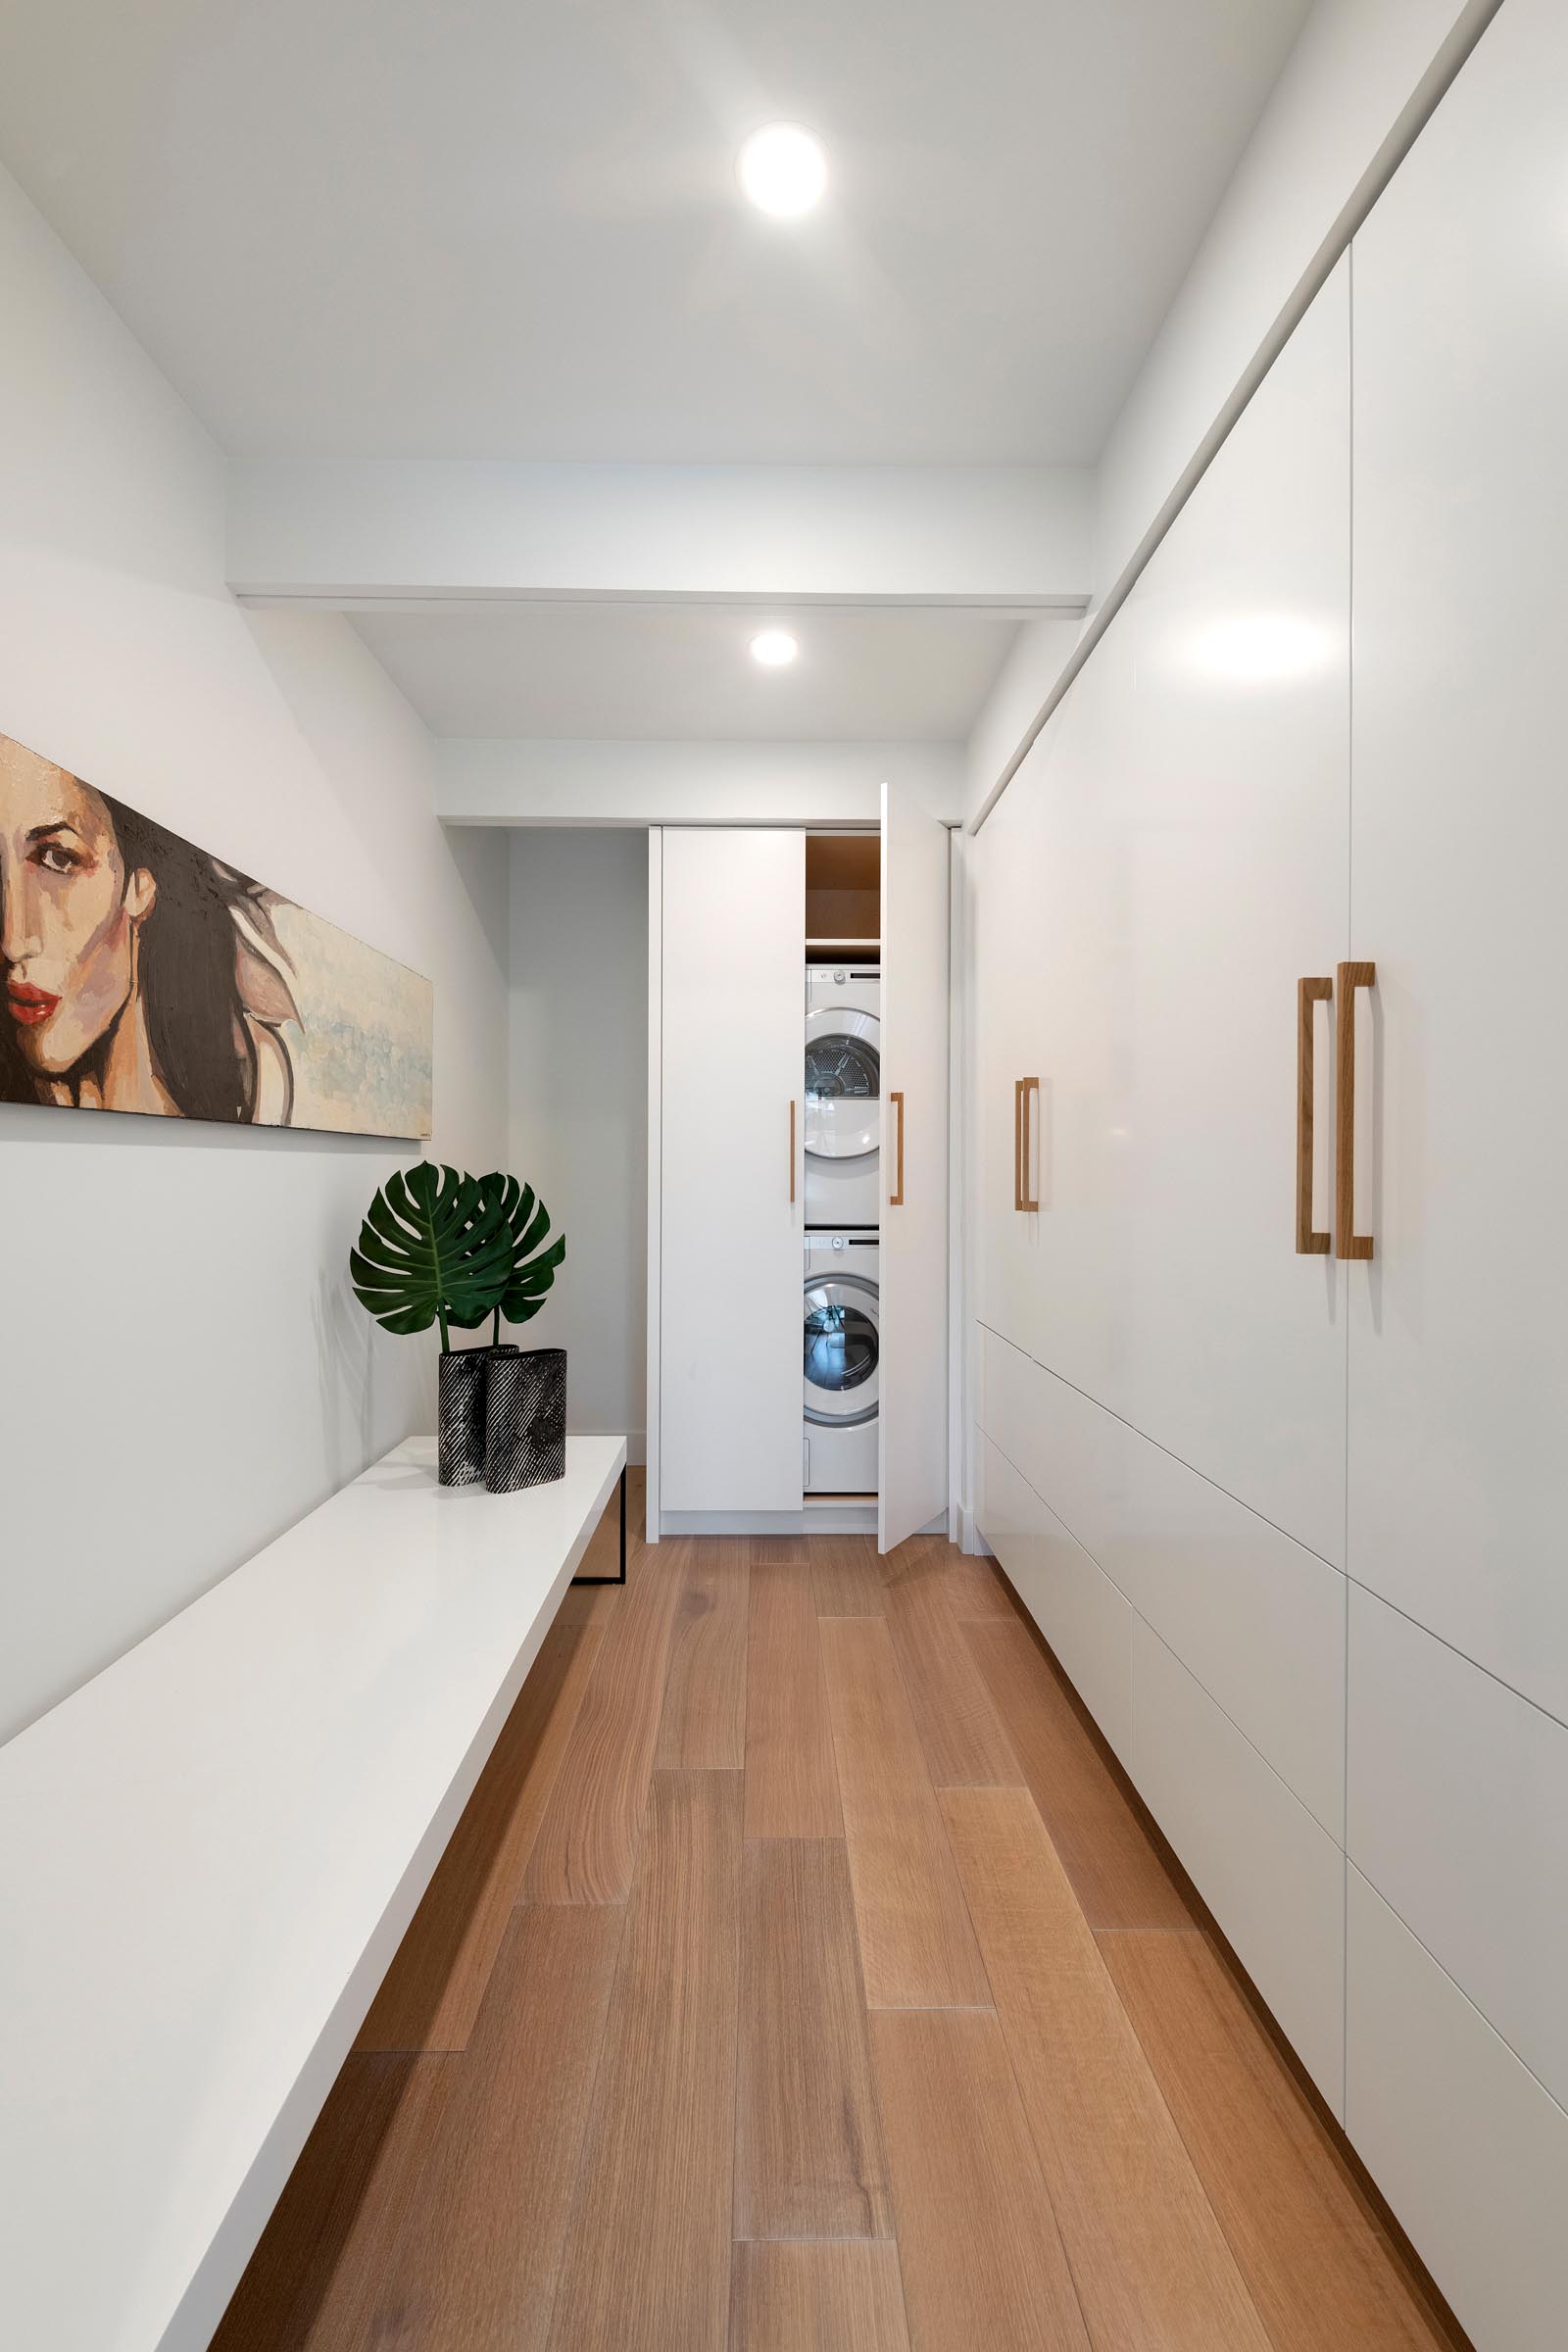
x=842, y=1348
x=843, y=1082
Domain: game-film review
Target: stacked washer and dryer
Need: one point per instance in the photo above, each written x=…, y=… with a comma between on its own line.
x=843, y=1213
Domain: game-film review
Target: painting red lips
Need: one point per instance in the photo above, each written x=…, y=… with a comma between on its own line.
x=29, y=1005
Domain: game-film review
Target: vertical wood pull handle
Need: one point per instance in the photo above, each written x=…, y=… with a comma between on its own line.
x=1348, y=1242
x=1309, y=1241
x=1026, y=1086
x=1018, y=1142
x=792, y=1148
x=896, y=1197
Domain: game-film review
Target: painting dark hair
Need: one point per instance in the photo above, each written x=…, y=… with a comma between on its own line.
x=188, y=976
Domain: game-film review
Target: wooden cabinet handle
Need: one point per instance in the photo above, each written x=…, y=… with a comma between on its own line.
x=1348, y=1242
x=1022, y=1136
x=1018, y=1142
x=792, y=1148
x=1308, y=1243
x=896, y=1197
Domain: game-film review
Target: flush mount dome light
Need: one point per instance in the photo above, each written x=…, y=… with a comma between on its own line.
x=775, y=649
x=783, y=170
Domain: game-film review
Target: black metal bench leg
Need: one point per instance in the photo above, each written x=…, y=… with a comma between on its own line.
x=621, y=1578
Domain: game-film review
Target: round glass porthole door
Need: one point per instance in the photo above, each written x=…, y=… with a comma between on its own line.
x=841, y=1351
x=843, y=1082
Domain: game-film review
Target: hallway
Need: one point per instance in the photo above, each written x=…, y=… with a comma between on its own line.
x=801, y=1979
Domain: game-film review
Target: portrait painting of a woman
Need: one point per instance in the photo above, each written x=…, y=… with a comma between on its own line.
x=138, y=973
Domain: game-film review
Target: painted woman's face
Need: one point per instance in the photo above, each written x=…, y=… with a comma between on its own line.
x=69, y=913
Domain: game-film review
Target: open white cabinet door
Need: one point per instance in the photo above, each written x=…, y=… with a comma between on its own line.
x=731, y=985
x=912, y=1356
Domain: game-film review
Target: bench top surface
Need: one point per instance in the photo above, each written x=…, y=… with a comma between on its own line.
x=208, y=1856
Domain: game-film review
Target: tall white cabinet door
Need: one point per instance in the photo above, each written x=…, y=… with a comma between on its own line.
x=1230, y=790
x=1005, y=962
x=1195, y=869
x=1458, y=1468
x=912, y=1270
x=732, y=1243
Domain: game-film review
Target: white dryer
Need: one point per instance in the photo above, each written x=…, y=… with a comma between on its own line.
x=842, y=1352
x=843, y=1095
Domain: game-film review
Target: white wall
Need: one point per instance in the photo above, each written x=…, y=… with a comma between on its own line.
x=986, y=534
x=579, y=1105
x=1355, y=69
x=517, y=781
x=1032, y=667
x=186, y=1371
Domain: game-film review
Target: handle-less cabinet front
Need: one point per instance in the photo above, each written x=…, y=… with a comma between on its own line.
x=732, y=1227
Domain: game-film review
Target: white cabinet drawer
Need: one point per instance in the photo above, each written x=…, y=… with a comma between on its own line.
x=1468, y=2148
x=1458, y=1816
x=1080, y=1613
x=1273, y=1878
x=1257, y=1618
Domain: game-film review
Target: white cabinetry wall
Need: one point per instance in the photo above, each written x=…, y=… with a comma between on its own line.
x=1293, y=1522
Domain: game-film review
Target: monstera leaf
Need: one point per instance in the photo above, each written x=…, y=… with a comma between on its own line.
x=531, y=1264
x=435, y=1247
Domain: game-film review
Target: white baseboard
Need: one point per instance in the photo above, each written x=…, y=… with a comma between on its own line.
x=970, y=1540
x=817, y=1519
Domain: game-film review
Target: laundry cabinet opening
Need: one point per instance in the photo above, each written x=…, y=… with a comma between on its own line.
x=842, y=1094
x=797, y=1178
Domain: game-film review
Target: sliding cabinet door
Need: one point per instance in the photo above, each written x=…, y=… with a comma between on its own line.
x=1195, y=863
x=912, y=1271
x=1459, y=1319
x=732, y=1238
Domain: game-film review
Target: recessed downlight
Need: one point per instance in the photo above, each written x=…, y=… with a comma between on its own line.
x=783, y=170
x=774, y=649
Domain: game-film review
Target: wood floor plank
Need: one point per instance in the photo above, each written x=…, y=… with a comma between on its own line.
x=917, y=1948
x=1117, y=1874
x=976, y=1588
x=1149, y=2258
x=431, y=1995
x=809, y=2161
x=847, y=1575
x=703, y=1723
x=791, y=1783
x=1321, y=2271
x=817, y=2298
x=779, y=1551
x=982, y=2261
x=474, y=2267
x=960, y=1731
x=586, y=1846
x=645, y=2266
x=312, y=2283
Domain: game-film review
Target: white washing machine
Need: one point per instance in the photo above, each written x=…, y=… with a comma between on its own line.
x=841, y=1355
x=843, y=1095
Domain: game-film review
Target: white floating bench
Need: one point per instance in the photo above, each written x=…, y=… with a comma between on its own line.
x=209, y=1855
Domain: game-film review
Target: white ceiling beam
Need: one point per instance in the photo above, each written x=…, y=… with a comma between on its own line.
x=525, y=782
x=417, y=531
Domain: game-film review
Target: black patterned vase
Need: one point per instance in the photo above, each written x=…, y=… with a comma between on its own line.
x=525, y=1421
x=460, y=1413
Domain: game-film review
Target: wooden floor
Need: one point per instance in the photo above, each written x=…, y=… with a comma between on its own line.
x=799, y=1978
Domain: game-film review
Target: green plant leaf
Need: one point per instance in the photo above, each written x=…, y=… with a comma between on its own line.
x=434, y=1245
x=530, y=1269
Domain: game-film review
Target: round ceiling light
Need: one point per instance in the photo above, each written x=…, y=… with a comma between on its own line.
x=775, y=649
x=783, y=170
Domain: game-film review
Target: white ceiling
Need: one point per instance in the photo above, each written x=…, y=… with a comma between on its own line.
x=490, y=229
x=685, y=672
